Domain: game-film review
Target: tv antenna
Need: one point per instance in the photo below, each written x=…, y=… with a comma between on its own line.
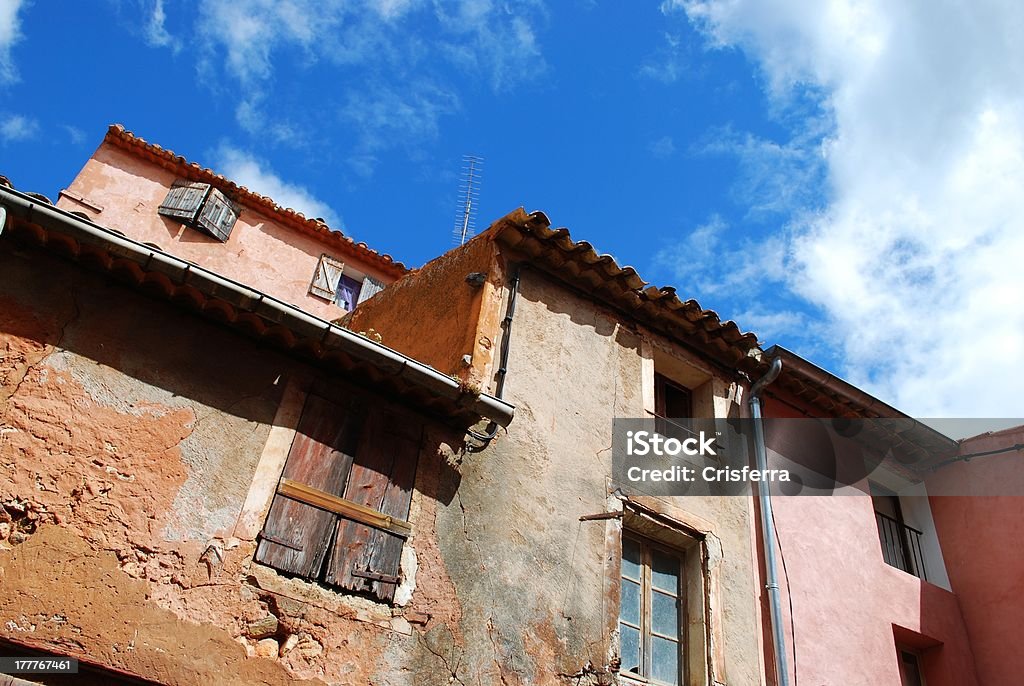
x=469, y=192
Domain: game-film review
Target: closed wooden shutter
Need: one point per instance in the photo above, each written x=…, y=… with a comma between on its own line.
x=367, y=558
x=371, y=287
x=325, y=278
x=340, y=512
x=184, y=200
x=218, y=215
x=297, y=536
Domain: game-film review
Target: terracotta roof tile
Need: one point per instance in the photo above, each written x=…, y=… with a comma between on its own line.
x=126, y=140
x=578, y=263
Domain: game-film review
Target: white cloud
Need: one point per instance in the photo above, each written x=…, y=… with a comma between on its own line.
x=156, y=32
x=385, y=116
x=15, y=127
x=711, y=261
x=663, y=148
x=397, y=45
x=75, y=134
x=916, y=255
x=775, y=178
x=668, y=63
x=10, y=34
x=253, y=173
x=496, y=39
x=250, y=31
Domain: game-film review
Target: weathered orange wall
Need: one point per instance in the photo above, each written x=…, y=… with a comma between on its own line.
x=847, y=600
x=129, y=436
x=260, y=252
x=981, y=538
x=537, y=584
x=433, y=315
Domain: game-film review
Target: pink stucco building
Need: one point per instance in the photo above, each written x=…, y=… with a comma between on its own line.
x=156, y=197
x=908, y=581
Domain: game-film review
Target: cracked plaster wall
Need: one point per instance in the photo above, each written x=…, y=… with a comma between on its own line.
x=129, y=435
x=537, y=588
x=153, y=466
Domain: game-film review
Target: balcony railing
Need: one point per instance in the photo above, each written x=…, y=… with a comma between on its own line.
x=901, y=545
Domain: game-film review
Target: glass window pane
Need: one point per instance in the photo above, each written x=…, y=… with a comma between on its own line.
x=665, y=614
x=629, y=602
x=631, y=558
x=629, y=639
x=665, y=660
x=665, y=572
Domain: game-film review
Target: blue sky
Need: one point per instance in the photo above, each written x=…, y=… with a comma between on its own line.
x=839, y=177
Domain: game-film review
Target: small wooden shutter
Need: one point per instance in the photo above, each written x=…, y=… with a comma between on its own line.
x=297, y=536
x=184, y=200
x=325, y=279
x=218, y=215
x=366, y=558
x=371, y=287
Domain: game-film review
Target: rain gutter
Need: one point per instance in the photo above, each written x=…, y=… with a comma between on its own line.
x=14, y=204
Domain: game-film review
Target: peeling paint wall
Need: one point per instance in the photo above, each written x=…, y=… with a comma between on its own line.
x=130, y=433
x=133, y=433
x=538, y=588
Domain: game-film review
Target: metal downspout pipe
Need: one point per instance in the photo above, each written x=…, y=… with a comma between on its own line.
x=768, y=526
x=506, y=324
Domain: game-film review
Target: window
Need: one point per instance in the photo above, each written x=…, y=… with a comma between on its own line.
x=651, y=612
x=347, y=289
x=672, y=402
x=339, y=514
x=202, y=207
x=910, y=669
x=901, y=544
x=670, y=399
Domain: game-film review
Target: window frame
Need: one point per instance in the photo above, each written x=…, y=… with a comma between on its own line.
x=662, y=384
x=646, y=632
x=328, y=277
x=907, y=679
x=909, y=556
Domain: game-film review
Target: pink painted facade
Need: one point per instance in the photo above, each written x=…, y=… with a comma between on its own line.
x=853, y=614
x=274, y=249
x=980, y=537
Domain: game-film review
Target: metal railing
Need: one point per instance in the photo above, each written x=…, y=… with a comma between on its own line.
x=901, y=545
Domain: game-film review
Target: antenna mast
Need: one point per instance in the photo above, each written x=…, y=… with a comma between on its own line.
x=469, y=191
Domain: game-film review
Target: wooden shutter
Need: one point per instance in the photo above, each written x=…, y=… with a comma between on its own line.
x=218, y=215
x=184, y=200
x=371, y=287
x=366, y=558
x=325, y=279
x=297, y=536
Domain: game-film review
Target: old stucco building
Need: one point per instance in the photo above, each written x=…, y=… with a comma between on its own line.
x=239, y=447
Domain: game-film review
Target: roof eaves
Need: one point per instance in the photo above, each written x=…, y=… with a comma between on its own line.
x=831, y=393
x=120, y=137
x=578, y=263
x=251, y=307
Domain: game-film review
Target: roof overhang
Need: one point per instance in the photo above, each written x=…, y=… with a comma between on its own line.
x=270, y=321
x=912, y=442
x=123, y=139
x=660, y=309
